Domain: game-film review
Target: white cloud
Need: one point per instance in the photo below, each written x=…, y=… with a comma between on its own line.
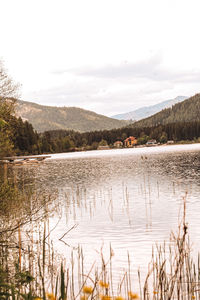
x=108, y=56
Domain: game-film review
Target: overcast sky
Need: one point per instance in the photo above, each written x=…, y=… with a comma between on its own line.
x=109, y=56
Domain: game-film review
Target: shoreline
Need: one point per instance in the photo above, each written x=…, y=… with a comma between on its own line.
x=140, y=149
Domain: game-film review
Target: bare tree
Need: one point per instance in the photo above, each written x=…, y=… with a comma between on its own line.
x=9, y=91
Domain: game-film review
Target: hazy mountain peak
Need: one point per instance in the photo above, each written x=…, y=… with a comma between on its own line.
x=147, y=111
x=183, y=111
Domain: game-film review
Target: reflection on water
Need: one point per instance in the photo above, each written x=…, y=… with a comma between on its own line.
x=130, y=198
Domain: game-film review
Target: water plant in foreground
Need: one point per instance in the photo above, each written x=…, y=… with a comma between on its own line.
x=30, y=270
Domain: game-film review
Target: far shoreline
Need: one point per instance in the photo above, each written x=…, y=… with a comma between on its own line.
x=140, y=149
x=124, y=151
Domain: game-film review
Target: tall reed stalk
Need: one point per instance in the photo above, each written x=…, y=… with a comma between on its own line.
x=31, y=269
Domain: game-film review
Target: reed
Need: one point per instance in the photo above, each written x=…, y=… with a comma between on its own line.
x=30, y=268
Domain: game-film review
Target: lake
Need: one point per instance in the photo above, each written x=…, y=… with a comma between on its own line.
x=127, y=198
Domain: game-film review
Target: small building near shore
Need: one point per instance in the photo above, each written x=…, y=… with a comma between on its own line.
x=103, y=147
x=118, y=144
x=130, y=142
x=151, y=143
x=170, y=142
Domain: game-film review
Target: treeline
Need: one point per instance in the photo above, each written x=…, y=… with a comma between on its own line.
x=27, y=141
x=24, y=138
x=62, y=140
x=18, y=137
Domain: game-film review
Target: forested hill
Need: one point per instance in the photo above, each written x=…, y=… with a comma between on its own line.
x=45, y=118
x=186, y=111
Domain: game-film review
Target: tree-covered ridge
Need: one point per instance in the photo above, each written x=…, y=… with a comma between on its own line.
x=45, y=118
x=186, y=111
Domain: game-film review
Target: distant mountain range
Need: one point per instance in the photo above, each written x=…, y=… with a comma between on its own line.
x=185, y=111
x=147, y=111
x=45, y=118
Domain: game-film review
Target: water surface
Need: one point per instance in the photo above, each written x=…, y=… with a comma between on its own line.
x=129, y=198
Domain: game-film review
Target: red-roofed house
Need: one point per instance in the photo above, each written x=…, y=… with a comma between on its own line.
x=130, y=142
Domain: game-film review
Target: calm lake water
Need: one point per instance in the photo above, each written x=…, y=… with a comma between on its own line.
x=129, y=198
